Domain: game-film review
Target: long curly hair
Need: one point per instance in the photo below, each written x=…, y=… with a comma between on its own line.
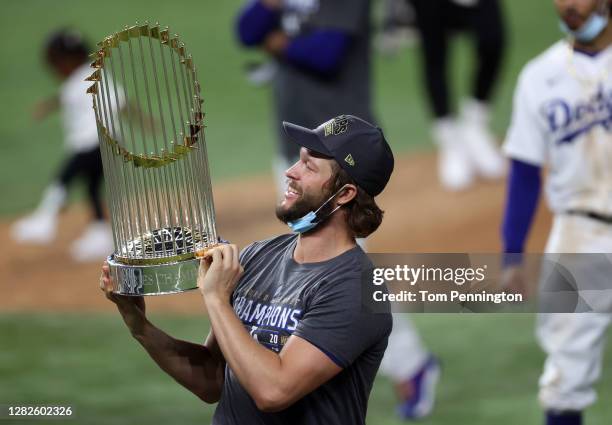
x=363, y=215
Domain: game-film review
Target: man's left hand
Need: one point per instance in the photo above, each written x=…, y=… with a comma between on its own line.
x=276, y=43
x=219, y=272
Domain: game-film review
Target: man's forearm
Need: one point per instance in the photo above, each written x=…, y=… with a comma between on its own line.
x=256, y=20
x=258, y=369
x=523, y=193
x=194, y=366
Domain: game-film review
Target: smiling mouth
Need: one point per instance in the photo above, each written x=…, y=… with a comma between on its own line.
x=291, y=193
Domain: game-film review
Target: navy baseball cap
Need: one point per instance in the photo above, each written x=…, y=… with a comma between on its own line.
x=359, y=148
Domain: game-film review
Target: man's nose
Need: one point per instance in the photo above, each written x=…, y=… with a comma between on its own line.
x=292, y=172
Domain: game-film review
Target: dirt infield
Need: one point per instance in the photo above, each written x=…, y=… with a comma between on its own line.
x=420, y=217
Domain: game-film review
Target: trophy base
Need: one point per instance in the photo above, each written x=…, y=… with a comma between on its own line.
x=159, y=279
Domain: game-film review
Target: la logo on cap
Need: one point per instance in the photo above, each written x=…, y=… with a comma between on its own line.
x=349, y=160
x=336, y=126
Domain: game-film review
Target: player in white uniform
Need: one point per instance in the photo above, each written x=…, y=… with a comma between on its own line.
x=562, y=119
x=66, y=53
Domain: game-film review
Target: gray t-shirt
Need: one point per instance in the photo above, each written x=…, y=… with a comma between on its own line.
x=321, y=303
x=307, y=99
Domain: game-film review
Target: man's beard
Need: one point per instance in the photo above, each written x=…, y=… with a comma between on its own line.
x=306, y=203
x=573, y=13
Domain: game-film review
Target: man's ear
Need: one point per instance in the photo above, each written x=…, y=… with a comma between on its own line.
x=347, y=194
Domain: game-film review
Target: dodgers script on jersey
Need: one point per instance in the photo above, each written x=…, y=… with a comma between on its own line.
x=562, y=118
x=276, y=298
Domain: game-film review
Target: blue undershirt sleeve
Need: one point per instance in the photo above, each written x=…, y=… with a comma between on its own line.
x=321, y=51
x=255, y=22
x=523, y=193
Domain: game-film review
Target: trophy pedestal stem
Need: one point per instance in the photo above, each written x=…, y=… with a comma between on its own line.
x=159, y=279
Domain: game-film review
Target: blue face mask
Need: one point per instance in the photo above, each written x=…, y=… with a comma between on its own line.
x=589, y=30
x=310, y=220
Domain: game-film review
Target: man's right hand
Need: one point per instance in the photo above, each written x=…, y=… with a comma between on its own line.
x=272, y=4
x=276, y=43
x=132, y=309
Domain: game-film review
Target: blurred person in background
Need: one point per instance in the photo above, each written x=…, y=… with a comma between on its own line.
x=561, y=120
x=398, y=27
x=467, y=147
x=66, y=53
x=413, y=370
x=322, y=54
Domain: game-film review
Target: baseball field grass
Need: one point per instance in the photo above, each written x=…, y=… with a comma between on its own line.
x=490, y=370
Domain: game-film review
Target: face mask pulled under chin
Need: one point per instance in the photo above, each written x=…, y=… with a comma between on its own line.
x=311, y=220
x=589, y=30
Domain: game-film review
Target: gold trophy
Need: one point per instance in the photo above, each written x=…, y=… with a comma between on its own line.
x=148, y=108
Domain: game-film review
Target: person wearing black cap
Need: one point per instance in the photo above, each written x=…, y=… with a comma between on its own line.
x=290, y=342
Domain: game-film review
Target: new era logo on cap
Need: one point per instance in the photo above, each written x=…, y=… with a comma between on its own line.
x=359, y=148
